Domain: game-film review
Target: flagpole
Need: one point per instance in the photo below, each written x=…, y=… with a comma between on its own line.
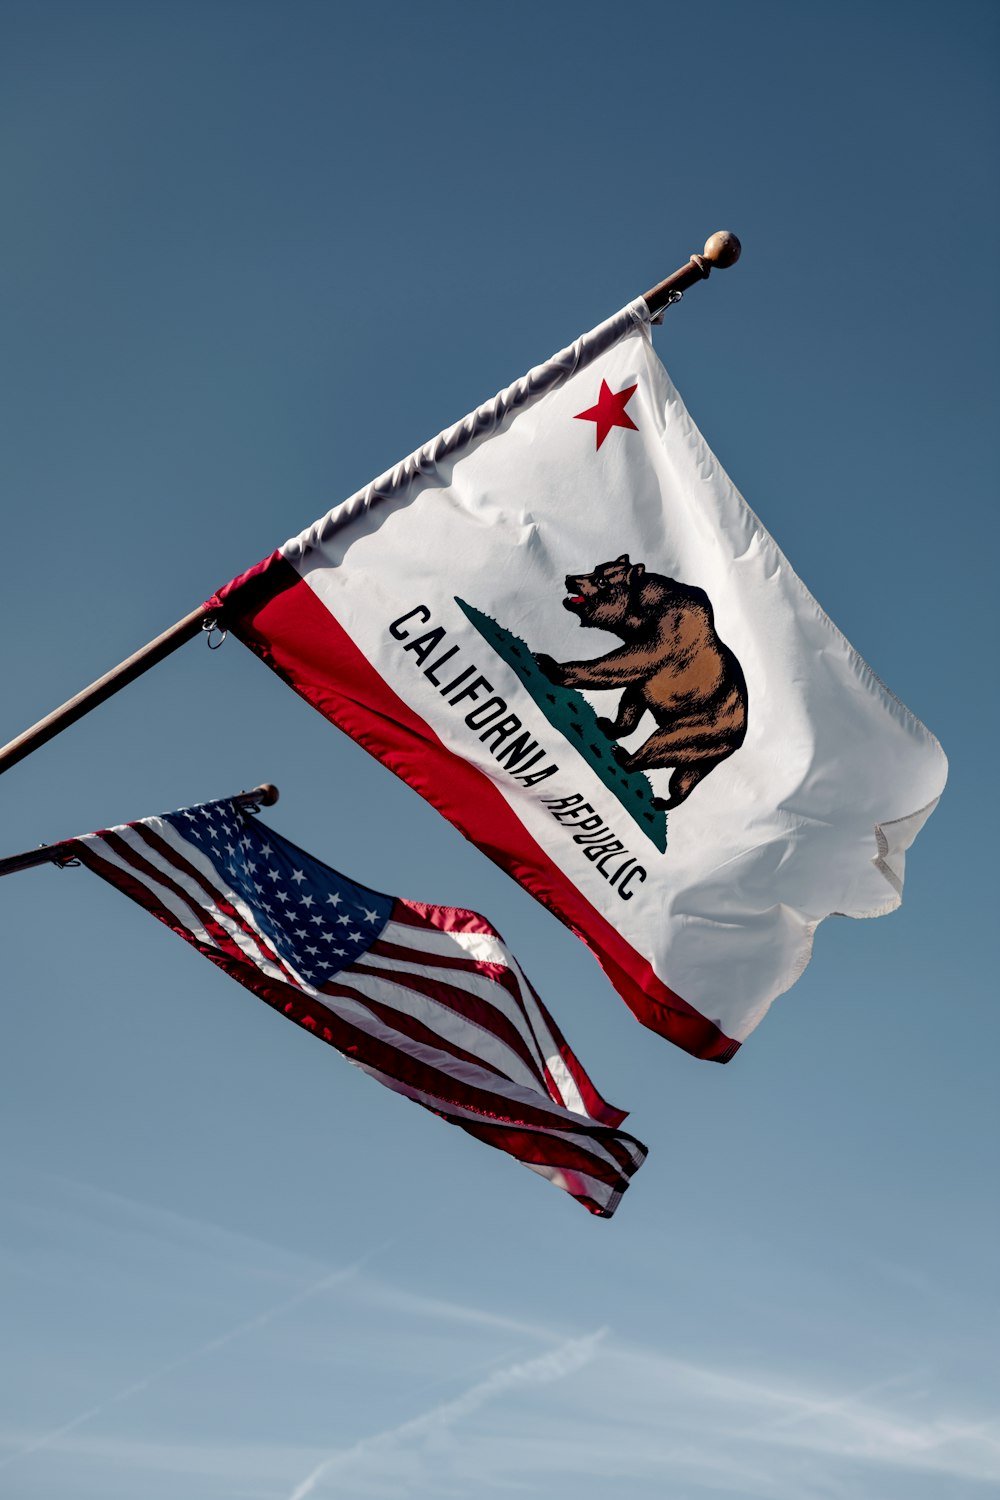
x=721, y=250
x=265, y=795
x=105, y=687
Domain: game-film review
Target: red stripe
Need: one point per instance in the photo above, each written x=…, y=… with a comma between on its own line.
x=469, y=1007
x=276, y=614
x=459, y=963
x=219, y=896
x=415, y=1072
x=139, y=891
x=455, y=918
x=414, y=1028
x=222, y=951
x=443, y=918
x=529, y=1148
x=564, y=1153
x=595, y=1106
x=204, y=913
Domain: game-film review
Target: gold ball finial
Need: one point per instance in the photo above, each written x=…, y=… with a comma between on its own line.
x=722, y=249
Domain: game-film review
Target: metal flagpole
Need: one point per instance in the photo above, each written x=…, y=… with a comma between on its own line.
x=265, y=795
x=721, y=250
x=105, y=687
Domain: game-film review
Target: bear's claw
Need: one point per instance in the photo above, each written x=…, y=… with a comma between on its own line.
x=548, y=667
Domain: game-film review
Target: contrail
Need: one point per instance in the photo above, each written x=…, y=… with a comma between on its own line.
x=330, y=1279
x=833, y=1405
x=569, y=1357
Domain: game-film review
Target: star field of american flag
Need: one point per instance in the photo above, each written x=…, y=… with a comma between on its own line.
x=318, y=921
x=425, y=999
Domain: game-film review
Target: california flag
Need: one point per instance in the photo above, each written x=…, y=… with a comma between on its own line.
x=563, y=626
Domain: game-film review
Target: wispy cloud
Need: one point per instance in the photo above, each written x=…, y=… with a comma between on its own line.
x=539, y=1409
x=589, y=1416
x=545, y=1368
x=390, y=1298
x=642, y=1420
x=219, y=1341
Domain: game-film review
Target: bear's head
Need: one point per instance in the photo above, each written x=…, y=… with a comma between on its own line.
x=605, y=598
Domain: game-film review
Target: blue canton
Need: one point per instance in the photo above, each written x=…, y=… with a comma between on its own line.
x=319, y=922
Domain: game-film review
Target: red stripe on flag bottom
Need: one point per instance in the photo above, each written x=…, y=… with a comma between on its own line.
x=524, y=1147
x=275, y=612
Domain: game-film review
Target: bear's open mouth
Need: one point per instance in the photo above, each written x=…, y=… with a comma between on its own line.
x=574, y=601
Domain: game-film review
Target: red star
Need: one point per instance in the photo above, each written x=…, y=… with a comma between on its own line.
x=609, y=411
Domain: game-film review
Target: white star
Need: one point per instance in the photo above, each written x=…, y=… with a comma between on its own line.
x=273, y=875
x=340, y=952
x=189, y=814
x=301, y=932
x=312, y=950
x=265, y=849
x=334, y=900
x=307, y=901
x=370, y=916
x=282, y=896
x=251, y=867
x=298, y=876
x=344, y=920
x=230, y=849
x=319, y=918
x=355, y=937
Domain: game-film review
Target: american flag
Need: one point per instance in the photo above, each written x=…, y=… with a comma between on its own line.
x=426, y=999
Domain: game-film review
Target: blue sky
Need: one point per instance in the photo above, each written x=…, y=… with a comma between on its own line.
x=253, y=255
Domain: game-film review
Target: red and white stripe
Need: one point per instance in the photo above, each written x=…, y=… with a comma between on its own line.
x=437, y=1009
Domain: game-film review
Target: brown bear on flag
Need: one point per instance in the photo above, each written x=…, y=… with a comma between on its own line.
x=672, y=663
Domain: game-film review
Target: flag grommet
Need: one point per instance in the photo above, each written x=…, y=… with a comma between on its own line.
x=210, y=624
